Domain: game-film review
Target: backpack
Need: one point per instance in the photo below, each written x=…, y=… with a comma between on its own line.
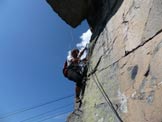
x=72, y=67
x=65, y=69
x=74, y=71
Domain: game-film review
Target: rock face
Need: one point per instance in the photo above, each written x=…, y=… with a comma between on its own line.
x=73, y=12
x=128, y=58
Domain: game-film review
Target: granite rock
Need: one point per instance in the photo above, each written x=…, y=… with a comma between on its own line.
x=127, y=55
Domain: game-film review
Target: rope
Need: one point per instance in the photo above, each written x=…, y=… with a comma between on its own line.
x=105, y=95
x=93, y=71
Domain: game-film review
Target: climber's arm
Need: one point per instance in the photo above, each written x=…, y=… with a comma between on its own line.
x=81, y=53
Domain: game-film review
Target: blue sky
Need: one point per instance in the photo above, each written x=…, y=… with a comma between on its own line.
x=34, y=43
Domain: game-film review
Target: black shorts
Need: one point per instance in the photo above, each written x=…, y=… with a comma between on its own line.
x=74, y=76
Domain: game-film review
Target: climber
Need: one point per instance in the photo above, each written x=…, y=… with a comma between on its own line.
x=75, y=69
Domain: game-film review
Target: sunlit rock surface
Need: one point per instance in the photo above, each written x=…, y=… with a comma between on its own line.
x=130, y=70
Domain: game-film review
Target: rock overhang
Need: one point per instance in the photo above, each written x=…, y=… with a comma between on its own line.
x=73, y=12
